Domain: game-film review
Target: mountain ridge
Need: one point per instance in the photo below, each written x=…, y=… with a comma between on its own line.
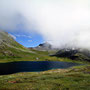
x=74, y=54
x=9, y=47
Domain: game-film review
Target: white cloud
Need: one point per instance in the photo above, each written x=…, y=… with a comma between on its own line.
x=59, y=21
x=29, y=40
x=12, y=36
x=18, y=35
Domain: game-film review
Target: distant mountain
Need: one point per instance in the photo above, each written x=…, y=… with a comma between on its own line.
x=9, y=48
x=44, y=47
x=74, y=53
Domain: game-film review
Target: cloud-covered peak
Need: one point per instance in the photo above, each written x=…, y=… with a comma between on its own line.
x=60, y=22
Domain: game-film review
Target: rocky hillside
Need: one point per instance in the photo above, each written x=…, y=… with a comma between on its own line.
x=74, y=54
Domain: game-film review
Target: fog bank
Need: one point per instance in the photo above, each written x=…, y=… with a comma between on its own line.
x=60, y=22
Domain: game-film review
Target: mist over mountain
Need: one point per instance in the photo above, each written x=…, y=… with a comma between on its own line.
x=59, y=22
x=10, y=48
x=74, y=54
x=44, y=47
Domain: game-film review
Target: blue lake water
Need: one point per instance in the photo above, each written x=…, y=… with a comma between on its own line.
x=33, y=66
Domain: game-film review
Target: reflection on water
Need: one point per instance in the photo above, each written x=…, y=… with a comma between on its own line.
x=33, y=66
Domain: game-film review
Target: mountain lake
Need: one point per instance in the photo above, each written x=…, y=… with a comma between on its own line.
x=33, y=66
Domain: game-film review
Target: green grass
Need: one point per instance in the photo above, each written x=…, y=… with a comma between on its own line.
x=30, y=55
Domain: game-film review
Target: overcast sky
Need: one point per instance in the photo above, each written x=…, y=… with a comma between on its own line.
x=60, y=22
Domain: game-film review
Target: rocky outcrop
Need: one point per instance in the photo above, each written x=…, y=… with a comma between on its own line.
x=74, y=54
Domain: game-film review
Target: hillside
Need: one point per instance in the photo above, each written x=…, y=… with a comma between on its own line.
x=10, y=50
x=74, y=54
x=9, y=47
x=7, y=39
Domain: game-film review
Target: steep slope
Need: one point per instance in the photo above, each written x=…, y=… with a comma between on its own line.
x=7, y=39
x=9, y=47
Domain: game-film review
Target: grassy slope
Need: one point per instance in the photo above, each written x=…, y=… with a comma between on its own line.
x=6, y=39
x=10, y=50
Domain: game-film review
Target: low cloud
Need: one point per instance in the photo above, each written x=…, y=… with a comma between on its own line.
x=26, y=36
x=12, y=36
x=60, y=22
x=29, y=40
